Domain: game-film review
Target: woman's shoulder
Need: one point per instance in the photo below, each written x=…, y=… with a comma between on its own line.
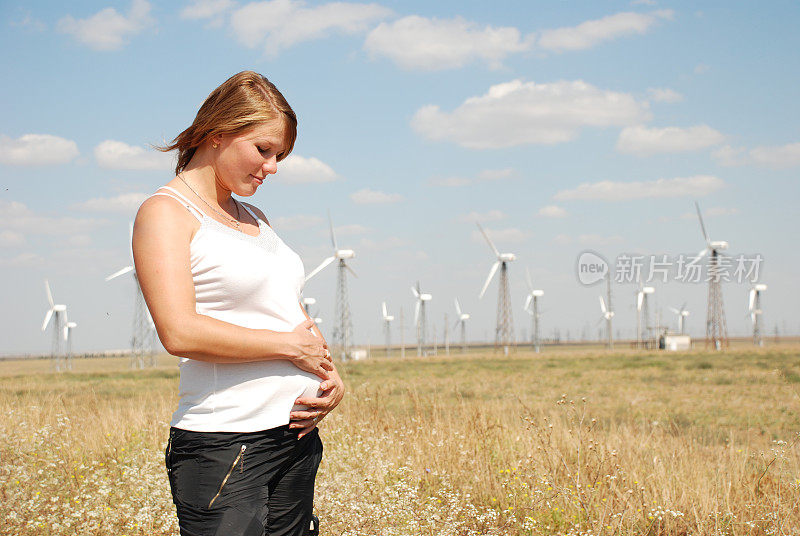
x=163, y=211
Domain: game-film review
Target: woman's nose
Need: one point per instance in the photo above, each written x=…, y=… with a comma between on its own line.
x=271, y=165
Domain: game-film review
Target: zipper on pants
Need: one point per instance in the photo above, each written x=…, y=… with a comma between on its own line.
x=233, y=466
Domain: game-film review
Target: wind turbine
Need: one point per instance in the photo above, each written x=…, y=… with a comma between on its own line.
x=716, y=327
x=532, y=307
x=608, y=314
x=419, y=316
x=307, y=303
x=342, y=331
x=387, y=319
x=642, y=311
x=142, y=334
x=58, y=312
x=462, y=319
x=756, y=312
x=682, y=314
x=504, y=331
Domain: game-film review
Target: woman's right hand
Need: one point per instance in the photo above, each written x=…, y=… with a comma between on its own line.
x=309, y=352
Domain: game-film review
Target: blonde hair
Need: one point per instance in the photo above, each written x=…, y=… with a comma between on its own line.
x=244, y=101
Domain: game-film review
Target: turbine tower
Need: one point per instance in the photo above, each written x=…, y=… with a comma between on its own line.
x=387, y=319
x=143, y=328
x=608, y=314
x=716, y=327
x=532, y=307
x=342, y=330
x=68, y=327
x=419, y=317
x=58, y=312
x=642, y=329
x=462, y=320
x=504, y=331
x=682, y=314
x=756, y=312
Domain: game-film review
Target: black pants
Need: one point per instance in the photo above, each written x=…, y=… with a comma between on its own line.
x=243, y=484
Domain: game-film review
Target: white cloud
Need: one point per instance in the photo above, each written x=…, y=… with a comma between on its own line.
x=500, y=236
x=495, y=174
x=279, y=24
x=36, y=150
x=416, y=42
x=594, y=32
x=643, y=2
x=370, y=197
x=206, y=9
x=121, y=203
x=23, y=259
x=645, y=141
x=492, y=215
x=776, y=157
x=664, y=94
x=552, y=211
x=695, y=186
x=518, y=113
x=701, y=68
x=450, y=182
x=78, y=240
x=18, y=218
x=11, y=239
x=296, y=223
x=30, y=23
x=107, y=29
x=112, y=154
x=297, y=169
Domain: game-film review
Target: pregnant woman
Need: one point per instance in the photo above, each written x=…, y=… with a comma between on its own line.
x=223, y=290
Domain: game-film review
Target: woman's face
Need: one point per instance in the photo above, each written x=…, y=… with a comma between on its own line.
x=243, y=161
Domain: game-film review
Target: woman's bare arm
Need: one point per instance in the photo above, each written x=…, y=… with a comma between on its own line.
x=161, y=236
x=318, y=407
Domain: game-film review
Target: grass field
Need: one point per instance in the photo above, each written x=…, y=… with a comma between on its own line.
x=575, y=441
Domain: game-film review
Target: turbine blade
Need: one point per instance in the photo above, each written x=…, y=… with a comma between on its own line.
x=66, y=331
x=416, y=312
x=639, y=298
x=383, y=309
x=415, y=292
x=350, y=270
x=602, y=305
x=324, y=263
x=702, y=253
x=752, y=299
x=528, y=301
x=497, y=253
x=47, y=319
x=458, y=308
x=333, y=235
x=674, y=310
x=120, y=272
x=49, y=294
x=488, y=279
x=528, y=279
x=702, y=226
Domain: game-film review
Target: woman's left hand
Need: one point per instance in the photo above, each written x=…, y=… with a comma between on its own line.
x=318, y=407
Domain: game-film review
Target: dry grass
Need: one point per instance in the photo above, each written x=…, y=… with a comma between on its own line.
x=570, y=442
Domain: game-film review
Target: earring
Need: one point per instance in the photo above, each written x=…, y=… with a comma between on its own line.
x=214, y=145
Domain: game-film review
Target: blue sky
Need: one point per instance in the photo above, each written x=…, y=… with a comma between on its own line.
x=560, y=126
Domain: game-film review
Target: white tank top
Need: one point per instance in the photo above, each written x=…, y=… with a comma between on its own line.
x=254, y=282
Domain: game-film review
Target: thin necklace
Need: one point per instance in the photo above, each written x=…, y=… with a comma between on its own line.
x=231, y=221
